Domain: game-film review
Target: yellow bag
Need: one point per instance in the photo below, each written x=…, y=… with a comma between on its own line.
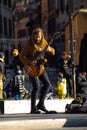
x=1, y=82
x=1, y=86
x=61, y=87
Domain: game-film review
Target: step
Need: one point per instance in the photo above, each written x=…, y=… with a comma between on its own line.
x=23, y=106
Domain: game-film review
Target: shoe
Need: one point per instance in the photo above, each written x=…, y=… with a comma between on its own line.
x=42, y=108
x=35, y=111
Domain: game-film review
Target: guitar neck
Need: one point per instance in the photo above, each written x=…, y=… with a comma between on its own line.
x=41, y=53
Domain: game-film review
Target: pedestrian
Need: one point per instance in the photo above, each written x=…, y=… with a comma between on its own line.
x=16, y=62
x=32, y=56
x=82, y=84
x=1, y=85
x=18, y=83
x=61, y=86
x=2, y=74
x=83, y=54
x=81, y=90
x=2, y=63
x=64, y=66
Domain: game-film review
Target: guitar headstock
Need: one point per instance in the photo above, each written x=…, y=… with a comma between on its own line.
x=55, y=36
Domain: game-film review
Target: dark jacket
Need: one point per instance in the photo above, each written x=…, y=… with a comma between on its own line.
x=2, y=67
x=65, y=68
x=81, y=84
x=16, y=61
x=18, y=82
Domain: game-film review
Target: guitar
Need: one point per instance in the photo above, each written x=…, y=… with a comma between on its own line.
x=33, y=68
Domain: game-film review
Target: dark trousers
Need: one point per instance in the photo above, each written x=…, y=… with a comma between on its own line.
x=35, y=84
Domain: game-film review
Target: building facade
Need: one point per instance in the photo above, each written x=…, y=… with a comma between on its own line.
x=50, y=15
x=62, y=10
x=37, y=13
x=6, y=19
x=6, y=27
x=79, y=28
x=77, y=10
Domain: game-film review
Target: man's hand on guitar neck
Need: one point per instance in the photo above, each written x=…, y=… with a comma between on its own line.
x=48, y=49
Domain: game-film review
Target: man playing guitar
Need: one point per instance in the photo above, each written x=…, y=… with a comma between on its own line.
x=32, y=57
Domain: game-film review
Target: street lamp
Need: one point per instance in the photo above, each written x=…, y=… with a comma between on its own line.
x=70, y=3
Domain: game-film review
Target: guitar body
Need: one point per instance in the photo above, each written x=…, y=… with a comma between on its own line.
x=33, y=70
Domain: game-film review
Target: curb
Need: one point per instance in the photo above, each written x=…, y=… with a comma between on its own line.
x=38, y=122
x=23, y=106
x=43, y=124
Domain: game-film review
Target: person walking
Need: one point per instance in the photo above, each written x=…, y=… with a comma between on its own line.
x=82, y=84
x=18, y=84
x=2, y=63
x=61, y=86
x=64, y=66
x=2, y=74
x=32, y=56
x=16, y=61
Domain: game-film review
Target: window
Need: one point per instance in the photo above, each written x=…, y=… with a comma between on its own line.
x=5, y=2
x=50, y=4
x=62, y=5
x=9, y=3
x=32, y=1
x=5, y=26
x=10, y=28
x=0, y=24
x=21, y=33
